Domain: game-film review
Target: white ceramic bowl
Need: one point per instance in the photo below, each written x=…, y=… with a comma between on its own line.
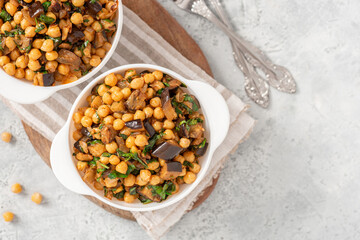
x=217, y=118
x=24, y=92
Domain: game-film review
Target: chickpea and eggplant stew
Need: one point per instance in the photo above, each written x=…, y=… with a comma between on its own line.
x=54, y=41
x=140, y=137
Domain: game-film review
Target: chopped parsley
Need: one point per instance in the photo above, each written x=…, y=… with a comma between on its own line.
x=163, y=191
x=116, y=174
x=132, y=191
x=152, y=142
x=5, y=16
x=46, y=19
x=46, y=5
x=93, y=142
x=129, y=156
x=123, y=136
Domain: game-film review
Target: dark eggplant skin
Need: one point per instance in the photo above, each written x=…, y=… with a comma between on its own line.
x=95, y=89
x=165, y=96
x=135, y=124
x=93, y=8
x=144, y=72
x=174, y=167
x=75, y=36
x=48, y=79
x=201, y=151
x=77, y=145
x=36, y=9
x=167, y=150
x=86, y=133
x=149, y=128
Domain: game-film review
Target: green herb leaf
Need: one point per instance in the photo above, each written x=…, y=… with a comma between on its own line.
x=93, y=1
x=5, y=16
x=83, y=46
x=46, y=5
x=132, y=191
x=120, y=195
x=163, y=191
x=92, y=163
x=105, y=191
x=106, y=154
x=116, y=174
x=46, y=19
x=166, y=84
x=40, y=27
x=188, y=164
x=159, y=92
x=101, y=126
x=57, y=40
x=93, y=142
x=202, y=144
x=108, y=20
x=144, y=200
x=103, y=165
x=188, y=98
x=86, y=20
x=123, y=136
x=129, y=156
x=84, y=72
x=152, y=142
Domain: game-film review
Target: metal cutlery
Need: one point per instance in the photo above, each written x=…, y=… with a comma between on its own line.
x=255, y=60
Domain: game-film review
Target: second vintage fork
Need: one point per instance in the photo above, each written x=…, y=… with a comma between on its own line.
x=277, y=76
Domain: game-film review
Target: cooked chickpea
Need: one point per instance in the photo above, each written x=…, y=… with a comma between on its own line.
x=139, y=115
x=139, y=181
x=21, y=62
x=114, y=160
x=117, y=96
x=157, y=125
x=117, y=115
x=122, y=167
x=134, y=149
x=51, y=66
x=8, y=216
x=4, y=60
x=86, y=121
x=154, y=180
x=29, y=74
x=63, y=69
x=77, y=117
x=15, y=54
x=19, y=73
x=89, y=112
x=195, y=168
x=155, y=102
x=162, y=162
x=47, y=46
x=6, y=27
x=129, y=198
x=88, y=20
x=16, y=188
x=103, y=111
x=126, y=92
x=53, y=31
x=107, y=46
x=30, y=32
x=189, y=156
x=189, y=177
x=36, y=198
x=141, y=140
x=128, y=117
x=10, y=8
x=153, y=165
x=168, y=134
x=102, y=89
x=10, y=43
x=96, y=102
x=184, y=142
x=149, y=78
x=96, y=26
x=111, y=147
x=158, y=113
x=100, y=52
x=95, y=60
x=34, y=65
x=179, y=158
x=145, y=175
x=118, y=124
x=111, y=80
x=109, y=120
x=158, y=75
x=6, y=137
x=148, y=112
x=169, y=124
x=76, y=18
x=51, y=56
x=9, y=69
x=37, y=43
x=137, y=83
x=50, y=14
x=149, y=93
x=18, y=16
x=106, y=98
x=81, y=166
x=34, y=54
x=130, y=142
x=77, y=135
x=129, y=180
x=78, y=3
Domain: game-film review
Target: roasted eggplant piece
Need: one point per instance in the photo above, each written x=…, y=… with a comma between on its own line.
x=48, y=79
x=121, y=144
x=75, y=36
x=135, y=124
x=174, y=83
x=147, y=193
x=171, y=170
x=136, y=101
x=182, y=129
x=68, y=57
x=36, y=9
x=108, y=134
x=168, y=109
x=167, y=150
x=201, y=151
x=85, y=132
x=81, y=145
x=149, y=128
x=93, y=8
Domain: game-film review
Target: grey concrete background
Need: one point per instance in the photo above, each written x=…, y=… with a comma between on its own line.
x=297, y=177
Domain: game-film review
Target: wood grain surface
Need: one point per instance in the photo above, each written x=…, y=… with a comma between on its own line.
x=172, y=32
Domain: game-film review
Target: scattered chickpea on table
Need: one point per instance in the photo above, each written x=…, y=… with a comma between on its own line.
x=6, y=137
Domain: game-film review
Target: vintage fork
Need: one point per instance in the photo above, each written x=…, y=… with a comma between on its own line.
x=255, y=86
x=277, y=76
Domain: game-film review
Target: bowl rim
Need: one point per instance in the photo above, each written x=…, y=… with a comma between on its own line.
x=13, y=82
x=152, y=206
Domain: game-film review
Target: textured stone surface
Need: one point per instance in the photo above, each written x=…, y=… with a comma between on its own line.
x=295, y=178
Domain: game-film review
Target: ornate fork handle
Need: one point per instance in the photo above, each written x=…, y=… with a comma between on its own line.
x=277, y=76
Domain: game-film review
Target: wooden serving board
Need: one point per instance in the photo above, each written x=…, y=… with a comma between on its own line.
x=162, y=22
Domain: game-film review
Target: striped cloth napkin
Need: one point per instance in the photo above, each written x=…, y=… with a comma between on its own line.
x=140, y=44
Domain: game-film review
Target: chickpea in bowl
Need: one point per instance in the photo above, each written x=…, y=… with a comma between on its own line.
x=140, y=136
x=127, y=141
